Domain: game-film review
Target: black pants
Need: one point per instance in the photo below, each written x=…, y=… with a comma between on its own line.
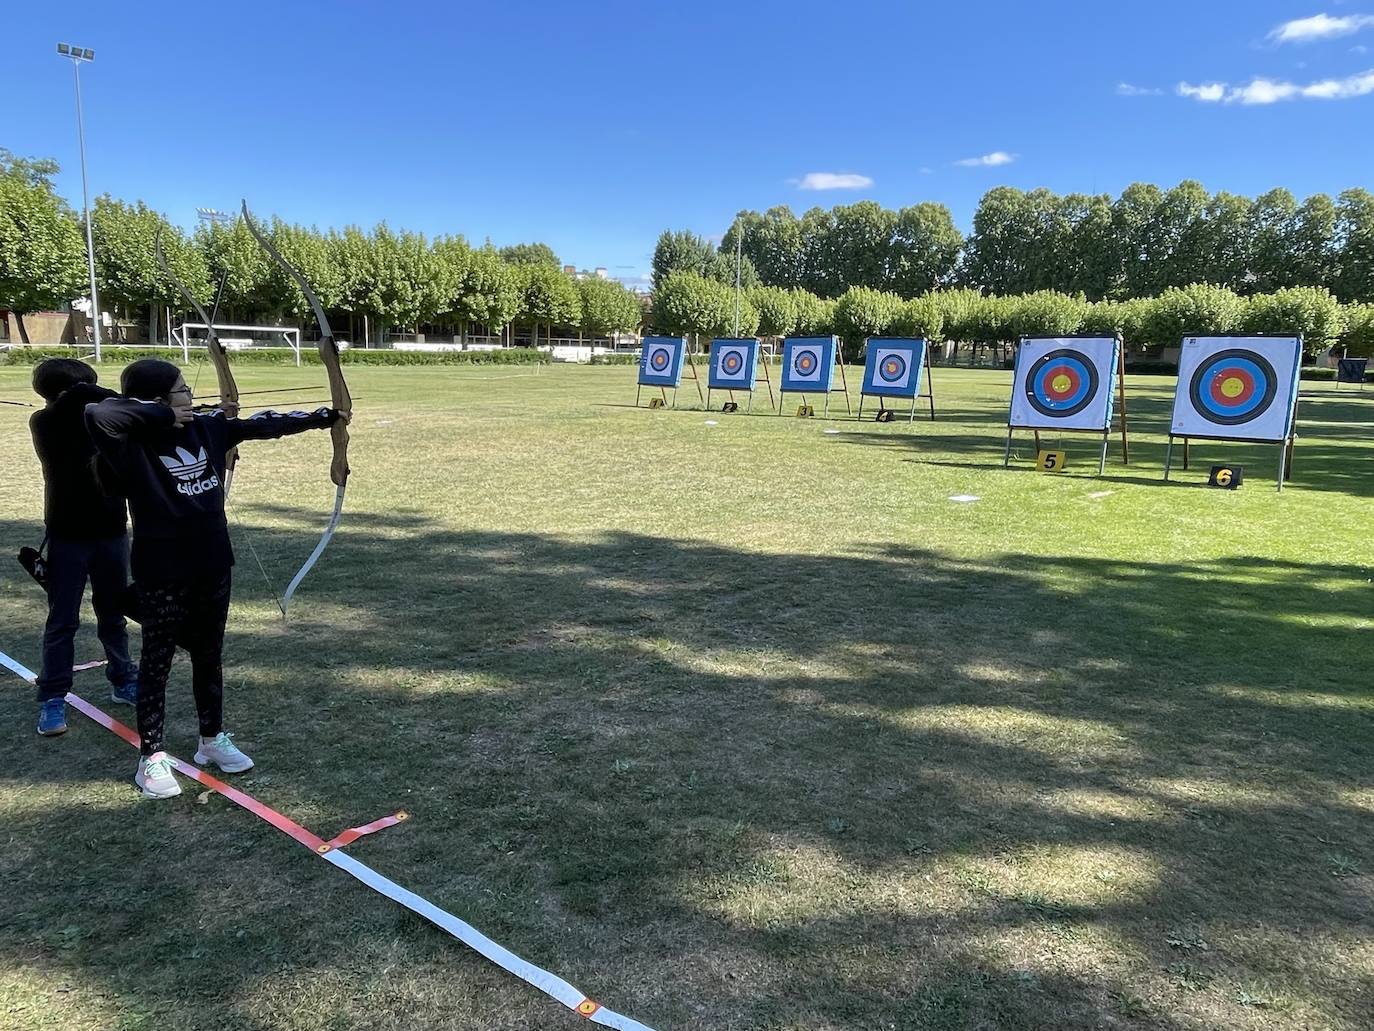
x=191, y=615
x=71, y=562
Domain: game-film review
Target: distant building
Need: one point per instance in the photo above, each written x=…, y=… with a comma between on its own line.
x=600, y=272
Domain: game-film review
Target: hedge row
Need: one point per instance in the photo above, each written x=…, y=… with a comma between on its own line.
x=284, y=356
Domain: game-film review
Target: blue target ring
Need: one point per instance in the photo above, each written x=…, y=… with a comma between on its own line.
x=1233, y=387
x=1061, y=383
x=892, y=368
x=659, y=359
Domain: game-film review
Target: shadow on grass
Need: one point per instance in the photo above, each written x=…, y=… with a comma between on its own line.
x=726, y=789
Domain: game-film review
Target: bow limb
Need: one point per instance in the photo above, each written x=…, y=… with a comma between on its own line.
x=219, y=358
x=341, y=400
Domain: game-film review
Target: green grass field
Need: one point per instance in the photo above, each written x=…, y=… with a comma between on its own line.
x=734, y=726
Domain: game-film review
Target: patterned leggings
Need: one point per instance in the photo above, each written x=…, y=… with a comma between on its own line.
x=194, y=616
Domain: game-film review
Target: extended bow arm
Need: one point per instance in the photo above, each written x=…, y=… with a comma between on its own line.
x=219, y=358
x=340, y=398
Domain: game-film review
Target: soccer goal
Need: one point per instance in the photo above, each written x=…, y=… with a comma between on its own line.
x=239, y=338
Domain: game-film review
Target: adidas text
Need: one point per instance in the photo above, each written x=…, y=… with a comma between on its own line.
x=199, y=487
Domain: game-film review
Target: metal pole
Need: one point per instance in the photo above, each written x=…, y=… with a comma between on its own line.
x=739, y=237
x=86, y=200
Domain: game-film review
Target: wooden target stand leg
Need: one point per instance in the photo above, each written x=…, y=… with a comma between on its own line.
x=769, y=380
x=930, y=389
x=844, y=384
x=697, y=380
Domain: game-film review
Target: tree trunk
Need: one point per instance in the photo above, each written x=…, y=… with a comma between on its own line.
x=23, y=330
x=153, y=319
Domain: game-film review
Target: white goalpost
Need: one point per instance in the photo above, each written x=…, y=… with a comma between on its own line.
x=237, y=338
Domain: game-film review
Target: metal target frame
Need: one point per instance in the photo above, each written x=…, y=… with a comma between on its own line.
x=1290, y=435
x=837, y=362
x=916, y=395
x=1120, y=401
x=756, y=350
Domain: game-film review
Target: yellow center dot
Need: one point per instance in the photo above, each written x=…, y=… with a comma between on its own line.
x=1232, y=386
x=1061, y=384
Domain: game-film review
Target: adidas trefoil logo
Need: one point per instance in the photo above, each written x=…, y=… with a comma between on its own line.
x=188, y=468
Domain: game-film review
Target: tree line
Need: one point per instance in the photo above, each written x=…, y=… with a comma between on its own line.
x=1139, y=244
x=392, y=278
x=689, y=302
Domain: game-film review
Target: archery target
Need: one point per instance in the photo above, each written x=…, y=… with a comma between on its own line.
x=733, y=364
x=1237, y=387
x=892, y=367
x=1064, y=383
x=660, y=363
x=808, y=363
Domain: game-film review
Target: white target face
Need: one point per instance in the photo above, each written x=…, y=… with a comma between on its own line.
x=660, y=359
x=732, y=363
x=892, y=368
x=806, y=364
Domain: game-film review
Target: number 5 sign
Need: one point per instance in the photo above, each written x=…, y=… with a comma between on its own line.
x=1050, y=461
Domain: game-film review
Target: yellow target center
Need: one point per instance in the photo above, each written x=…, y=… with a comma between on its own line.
x=1061, y=384
x=1232, y=386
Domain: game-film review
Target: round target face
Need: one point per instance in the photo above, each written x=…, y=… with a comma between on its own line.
x=731, y=362
x=892, y=369
x=1061, y=383
x=659, y=359
x=804, y=364
x=1233, y=387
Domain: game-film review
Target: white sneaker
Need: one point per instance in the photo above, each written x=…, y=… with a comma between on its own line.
x=155, y=777
x=222, y=751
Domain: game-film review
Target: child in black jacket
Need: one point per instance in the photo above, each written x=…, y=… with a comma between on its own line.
x=170, y=464
x=87, y=538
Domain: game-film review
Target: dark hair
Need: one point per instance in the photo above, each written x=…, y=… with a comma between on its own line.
x=53, y=377
x=148, y=379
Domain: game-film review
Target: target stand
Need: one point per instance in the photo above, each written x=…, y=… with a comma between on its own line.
x=734, y=365
x=892, y=368
x=1241, y=388
x=661, y=360
x=1066, y=385
x=809, y=365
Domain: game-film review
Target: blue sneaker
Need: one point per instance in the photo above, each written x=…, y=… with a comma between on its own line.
x=124, y=694
x=52, y=717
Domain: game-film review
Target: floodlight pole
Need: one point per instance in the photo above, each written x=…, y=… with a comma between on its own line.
x=739, y=239
x=77, y=55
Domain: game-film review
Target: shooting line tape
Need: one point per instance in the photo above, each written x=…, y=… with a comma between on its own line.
x=331, y=852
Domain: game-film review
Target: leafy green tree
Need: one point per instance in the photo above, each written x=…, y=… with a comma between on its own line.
x=312, y=254
x=1227, y=252
x=920, y=316
x=1271, y=224
x=818, y=273
x=1090, y=258
x=687, y=302
x=550, y=299
x=957, y=307
x=863, y=312
x=777, y=310
x=1358, y=338
x=999, y=252
x=989, y=320
x=42, y=252
x=1312, y=248
x=1045, y=313
x=230, y=251
x=1115, y=317
x=924, y=249
x=813, y=316
x=772, y=243
x=1354, y=233
x=483, y=289
x=1199, y=308
x=607, y=307
x=1140, y=243
x=1312, y=311
x=529, y=254
x=126, y=267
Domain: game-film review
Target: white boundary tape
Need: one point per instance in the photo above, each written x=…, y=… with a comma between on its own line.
x=550, y=984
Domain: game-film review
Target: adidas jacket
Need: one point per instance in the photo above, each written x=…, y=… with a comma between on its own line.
x=174, y=480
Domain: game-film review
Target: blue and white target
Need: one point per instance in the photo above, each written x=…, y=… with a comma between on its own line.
x=892, y=366
x=1064, y=383
x=661, y=359
x=733, y=364
x=1237, y=388
x=808, y=363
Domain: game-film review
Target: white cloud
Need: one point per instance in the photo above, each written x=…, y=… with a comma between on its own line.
x=1270, y=91
x=925, y=170
x=1125, y=89
x=997, y=157
x=833, y=181
x=1320, y=26
x=1359, y=49
x=1208, y=92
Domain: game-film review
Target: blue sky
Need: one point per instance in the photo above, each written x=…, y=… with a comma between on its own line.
x=594, y=126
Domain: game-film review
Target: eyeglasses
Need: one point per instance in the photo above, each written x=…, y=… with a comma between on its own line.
x=180, y=390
